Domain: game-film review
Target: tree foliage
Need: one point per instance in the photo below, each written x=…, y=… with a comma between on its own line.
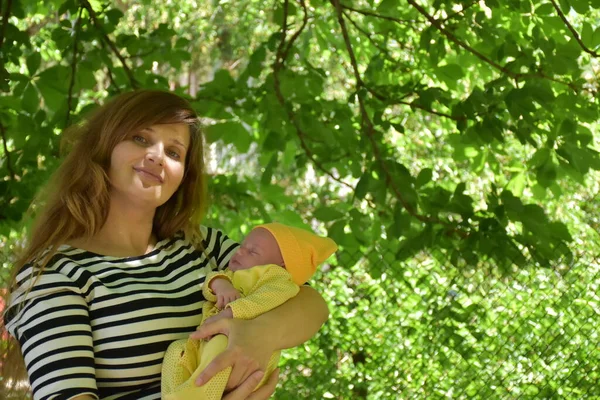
x=466, y=130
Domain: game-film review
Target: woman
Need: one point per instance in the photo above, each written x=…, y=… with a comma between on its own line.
x=116, y=260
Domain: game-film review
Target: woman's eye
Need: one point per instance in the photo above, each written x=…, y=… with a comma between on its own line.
x=139, y=139
x=173, y=154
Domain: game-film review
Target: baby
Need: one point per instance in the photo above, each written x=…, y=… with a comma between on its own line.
x=266, y=271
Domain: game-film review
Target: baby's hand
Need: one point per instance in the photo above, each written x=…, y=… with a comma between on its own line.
x=226, y=297
x=224, y=291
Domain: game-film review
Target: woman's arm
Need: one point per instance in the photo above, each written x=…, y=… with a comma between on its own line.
x=295, y=321
x=251, y=342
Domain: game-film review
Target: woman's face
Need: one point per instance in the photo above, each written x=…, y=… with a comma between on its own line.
x=148, y=166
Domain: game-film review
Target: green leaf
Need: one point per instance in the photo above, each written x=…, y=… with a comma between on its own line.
x=388, y=7
x=560, y=230
x=424, y=177
x=255, y=65
x=451, y=71
x=544, y=9
x=336, y=231
x=402, y=221
x=587, y=33
x=268, y=172
x=581, y=6
x=517, y=184
x=114, y=15
x=546, y=174
x=568, y=127
x=540, y=157
x=362, y=187
x=327, y=214
x=229, y=132
x=31, y=99
x=595, y=41
x=511, y=202
x=33, y=63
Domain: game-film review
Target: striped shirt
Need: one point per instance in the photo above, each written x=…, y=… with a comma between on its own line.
x=100, y=325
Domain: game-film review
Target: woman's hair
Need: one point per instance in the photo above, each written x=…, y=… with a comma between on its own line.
x=75, y=203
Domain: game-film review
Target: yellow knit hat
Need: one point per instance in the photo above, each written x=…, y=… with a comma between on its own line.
x=302, y=250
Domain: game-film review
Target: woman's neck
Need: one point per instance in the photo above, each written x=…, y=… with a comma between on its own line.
x=127, y=232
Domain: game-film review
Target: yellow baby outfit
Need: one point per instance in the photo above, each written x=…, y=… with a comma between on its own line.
x=262, y=288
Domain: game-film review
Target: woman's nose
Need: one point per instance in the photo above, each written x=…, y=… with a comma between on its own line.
x=155, y=154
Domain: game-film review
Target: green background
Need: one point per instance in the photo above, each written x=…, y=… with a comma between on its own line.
x=449, y=147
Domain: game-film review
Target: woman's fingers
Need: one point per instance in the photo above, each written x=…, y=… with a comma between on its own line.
x=220, y=362
x=213, y=328
x=244, y=391
x=266, y=391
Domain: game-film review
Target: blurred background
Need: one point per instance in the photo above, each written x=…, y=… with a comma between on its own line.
x=449, y=147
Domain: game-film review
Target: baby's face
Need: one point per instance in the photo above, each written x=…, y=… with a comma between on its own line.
x=258, y=248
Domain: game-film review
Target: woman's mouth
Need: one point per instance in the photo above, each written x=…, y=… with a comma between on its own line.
x=149, y=175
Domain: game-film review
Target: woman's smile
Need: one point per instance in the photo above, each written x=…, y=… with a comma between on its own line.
x=147, y=174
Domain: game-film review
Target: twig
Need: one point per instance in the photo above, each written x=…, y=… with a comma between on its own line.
x=385, y=99
x=454, y=15
x=86, y=4
x=109, y=71
x=5, y=16
x=73, y=66
x=573, y=31
x=143, y=54
x=371, y=129
x=368, y=35
x=200, y=96
x=285, y=52
x=365, y=116
x=277, y=66
x=485, y=59
x=374, y=14
x=6, y=152
x=37, y=26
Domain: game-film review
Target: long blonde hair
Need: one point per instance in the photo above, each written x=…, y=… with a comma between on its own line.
x=75, y=202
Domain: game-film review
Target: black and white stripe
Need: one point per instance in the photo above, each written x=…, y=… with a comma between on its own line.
x=100, y=325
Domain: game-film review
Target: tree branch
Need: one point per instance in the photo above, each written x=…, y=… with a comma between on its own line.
x=285, y=53
x=374, y=14
x=388, y=100
x=86, y=4
x=5, y=16
x=73, y=66
x=485, y=59
x=368, y=35
x=454, y=15
x=573, y=31
x=277, y=66
x=369, y=124
x=109, y=72
x=6, y=152
x=143, y=54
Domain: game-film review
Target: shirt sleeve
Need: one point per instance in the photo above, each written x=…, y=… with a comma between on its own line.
x=48, y=315
x=263, y=288
x=219, y=246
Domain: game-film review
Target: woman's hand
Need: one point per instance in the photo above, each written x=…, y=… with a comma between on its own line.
x=247, y=351
x=244, y=391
